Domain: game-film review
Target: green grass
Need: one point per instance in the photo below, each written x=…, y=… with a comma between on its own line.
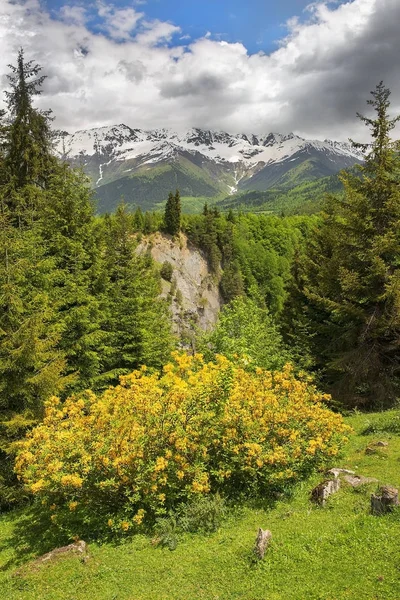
x=331, y=553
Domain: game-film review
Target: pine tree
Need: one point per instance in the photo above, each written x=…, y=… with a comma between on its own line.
x=172, y=214
x=138, y=220
x=352, y=279
x=137, y=322
x=28, y=141
x=67, y=224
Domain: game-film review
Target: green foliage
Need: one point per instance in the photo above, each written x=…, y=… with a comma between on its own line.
x=351, y=275
x=254, y=251
x=166, y=271
x=136, y=320
x=143, y=448
x=31, y=364
x=246, y=331
x=201, y=515
x=28, y=139
x=67, y=226
x=387, y=422
x=204, y=514
x=172, y=214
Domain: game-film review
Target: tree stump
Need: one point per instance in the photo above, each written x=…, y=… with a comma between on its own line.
x=263, y=538
x=384, y=503
x=322, y=491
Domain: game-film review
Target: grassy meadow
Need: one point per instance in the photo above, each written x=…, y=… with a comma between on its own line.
x=337, y=552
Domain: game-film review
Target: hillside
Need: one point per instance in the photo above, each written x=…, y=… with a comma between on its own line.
x=143, y=166
x=306, y=197
x=340, y=551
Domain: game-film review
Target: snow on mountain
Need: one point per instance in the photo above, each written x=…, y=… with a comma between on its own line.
x=121, y=143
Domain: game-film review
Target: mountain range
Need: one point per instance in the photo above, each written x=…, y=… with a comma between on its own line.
x=142, y=166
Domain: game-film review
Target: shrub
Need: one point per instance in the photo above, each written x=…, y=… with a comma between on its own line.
x=244, y=329
x=204, y=513
x=166, y=271
x=13, y=427
x=155, y=441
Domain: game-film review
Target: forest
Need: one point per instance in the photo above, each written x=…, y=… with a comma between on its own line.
x=108, y=422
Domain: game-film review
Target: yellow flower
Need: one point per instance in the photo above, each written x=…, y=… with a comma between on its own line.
x=161, y=464
x=125, y=525
x=138, y=518
x=37, y=486
x=72, y=481
x=72, y=505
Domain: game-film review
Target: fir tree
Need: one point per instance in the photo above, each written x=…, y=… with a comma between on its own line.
x=172, y=215
x=352, y=278
x=137, y=322
x=67, y=225
x=28, y=141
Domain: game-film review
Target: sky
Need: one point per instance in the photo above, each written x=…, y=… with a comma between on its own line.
x=243, y=67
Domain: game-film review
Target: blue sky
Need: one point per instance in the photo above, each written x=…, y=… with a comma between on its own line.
x=258, y=24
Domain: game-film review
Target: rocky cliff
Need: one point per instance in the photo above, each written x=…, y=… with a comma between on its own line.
x=193, y=291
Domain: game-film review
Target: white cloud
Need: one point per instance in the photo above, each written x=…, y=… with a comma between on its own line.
x=155, y=32
x=119, y=22
x=73, y=15
x=130, y=71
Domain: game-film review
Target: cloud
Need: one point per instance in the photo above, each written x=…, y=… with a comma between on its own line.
x=119, y=22
x=73, y=15
x=109, y=65
x=155, y=32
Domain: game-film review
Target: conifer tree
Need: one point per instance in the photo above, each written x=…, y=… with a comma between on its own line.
x=28, y=141
x=352, y=278
x=137, y=322
x=172, y=215
x=67, y=225
x=138, y=220
x=31, y=364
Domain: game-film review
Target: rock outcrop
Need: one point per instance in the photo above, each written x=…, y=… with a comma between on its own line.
x=193, y=291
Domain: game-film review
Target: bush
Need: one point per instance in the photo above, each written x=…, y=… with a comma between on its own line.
x=143, y=448
x=246, y=331
x=166, y=271
x=203, y=514
x=13, y=427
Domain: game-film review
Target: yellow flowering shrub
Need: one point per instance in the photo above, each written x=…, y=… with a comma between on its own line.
x=154, y=441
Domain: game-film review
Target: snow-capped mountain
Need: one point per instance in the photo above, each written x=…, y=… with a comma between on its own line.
x=199, y=162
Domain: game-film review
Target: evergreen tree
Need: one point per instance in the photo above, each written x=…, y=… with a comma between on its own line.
x=67, y=225
x=231, y=283
x=352, y=276
x=31, y=365
x=138, y=220
x=28, y=141
x=172, y=214
x=137, y=321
